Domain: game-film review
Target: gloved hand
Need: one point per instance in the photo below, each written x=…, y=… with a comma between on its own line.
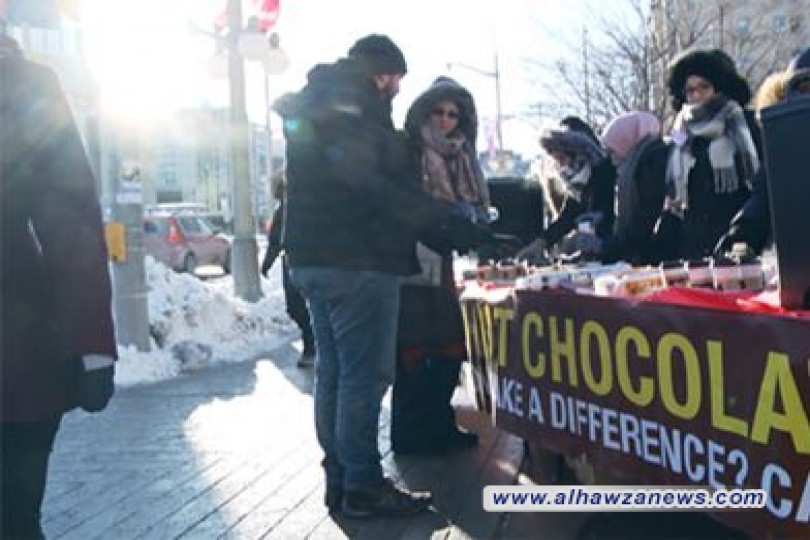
x=456, y=232
x=534, y=253
x=585, y=245
x=95, y=384
x=269, y=258
x=741, y=233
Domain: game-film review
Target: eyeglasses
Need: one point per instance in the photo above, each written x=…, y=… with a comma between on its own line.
x=698, y=88
x=451, y=114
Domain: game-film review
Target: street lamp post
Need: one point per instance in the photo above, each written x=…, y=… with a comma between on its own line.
x=496, y=76
x=274, y=61
x=249, y=43
x=244, y=253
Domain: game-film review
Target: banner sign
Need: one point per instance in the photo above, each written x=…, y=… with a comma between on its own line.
x=655, y=394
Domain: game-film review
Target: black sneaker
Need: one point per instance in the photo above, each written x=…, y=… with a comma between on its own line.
x=385, y=500
x=333, y=499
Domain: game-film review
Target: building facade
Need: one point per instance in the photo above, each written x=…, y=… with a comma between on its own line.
x=761, y=35
x=186, y=158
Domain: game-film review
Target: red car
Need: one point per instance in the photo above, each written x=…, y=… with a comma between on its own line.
x=185, y=241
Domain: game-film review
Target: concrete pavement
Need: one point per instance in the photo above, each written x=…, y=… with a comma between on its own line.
x=230, y=452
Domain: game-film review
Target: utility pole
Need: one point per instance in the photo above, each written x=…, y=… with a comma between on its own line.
x=496, y=76
x=244, y=253
x=585, y=67
x=499, y=110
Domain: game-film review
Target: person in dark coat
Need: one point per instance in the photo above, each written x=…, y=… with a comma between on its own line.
x=590, y=180
x=633, y=140
x=295, y=303
x=57, y=335
x=442, y=125
x=713, y=158
x=354, y=214
x=752, y=225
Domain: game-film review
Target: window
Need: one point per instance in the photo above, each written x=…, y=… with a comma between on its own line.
x=779, y=23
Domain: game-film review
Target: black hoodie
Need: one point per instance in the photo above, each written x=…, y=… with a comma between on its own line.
x=353, y=198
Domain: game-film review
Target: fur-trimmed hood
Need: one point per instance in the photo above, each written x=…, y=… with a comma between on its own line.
x=715, y=66
x=442, y=89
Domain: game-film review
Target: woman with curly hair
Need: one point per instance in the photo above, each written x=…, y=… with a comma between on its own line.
x=713, y=158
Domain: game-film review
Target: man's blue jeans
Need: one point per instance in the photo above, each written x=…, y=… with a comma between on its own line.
x=354, y=317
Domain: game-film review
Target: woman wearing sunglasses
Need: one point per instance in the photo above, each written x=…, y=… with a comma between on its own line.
x=441, y=126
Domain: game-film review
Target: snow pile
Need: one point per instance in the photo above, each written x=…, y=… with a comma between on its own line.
x=195, y=323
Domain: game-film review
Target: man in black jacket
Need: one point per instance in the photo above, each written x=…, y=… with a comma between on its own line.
x=354, y=213
x=295, y=303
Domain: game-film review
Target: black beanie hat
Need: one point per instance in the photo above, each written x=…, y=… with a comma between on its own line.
x=379, y=54
x=715, y=66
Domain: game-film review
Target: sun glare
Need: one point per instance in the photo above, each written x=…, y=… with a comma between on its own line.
x=145, y=61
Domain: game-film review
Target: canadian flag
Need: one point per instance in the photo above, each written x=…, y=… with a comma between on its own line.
x=266, y=11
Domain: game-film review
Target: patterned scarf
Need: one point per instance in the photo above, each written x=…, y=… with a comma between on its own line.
x=585, y=154
x=722, y=122
x=449, y=172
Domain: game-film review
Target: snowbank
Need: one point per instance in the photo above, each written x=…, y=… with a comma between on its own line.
x=195, y=323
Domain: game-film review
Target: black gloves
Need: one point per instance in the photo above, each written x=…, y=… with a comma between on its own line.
x=94, y=384
x=456, y=233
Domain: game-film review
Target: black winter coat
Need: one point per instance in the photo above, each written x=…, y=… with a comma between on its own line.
x=708, y=216
x=632, y=239
x=598, y=196
x=353, y=200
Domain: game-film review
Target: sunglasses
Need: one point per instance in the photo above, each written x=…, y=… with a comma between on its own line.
x=453, y=115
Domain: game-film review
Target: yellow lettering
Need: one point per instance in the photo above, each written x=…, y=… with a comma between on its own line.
x=666, y=347
x=532, y=321
x=592, y=329
x=485, y=329
x=646, y=389
x=503, y=316
x=473, y=340
x=778, y=380
x=560, y=349
x=720, y=419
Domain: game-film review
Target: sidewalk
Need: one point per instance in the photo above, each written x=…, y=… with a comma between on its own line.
x=230, y=452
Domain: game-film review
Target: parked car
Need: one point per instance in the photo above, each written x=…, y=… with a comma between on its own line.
x=184, y=241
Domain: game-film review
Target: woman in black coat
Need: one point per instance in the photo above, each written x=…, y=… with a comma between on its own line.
x=633, y=140
x=590, y=180
x=713, y=158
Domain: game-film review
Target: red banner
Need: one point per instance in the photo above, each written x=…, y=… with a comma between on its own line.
x=655, y=394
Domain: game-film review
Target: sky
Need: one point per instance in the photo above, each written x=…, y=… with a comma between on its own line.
x=149, y=62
